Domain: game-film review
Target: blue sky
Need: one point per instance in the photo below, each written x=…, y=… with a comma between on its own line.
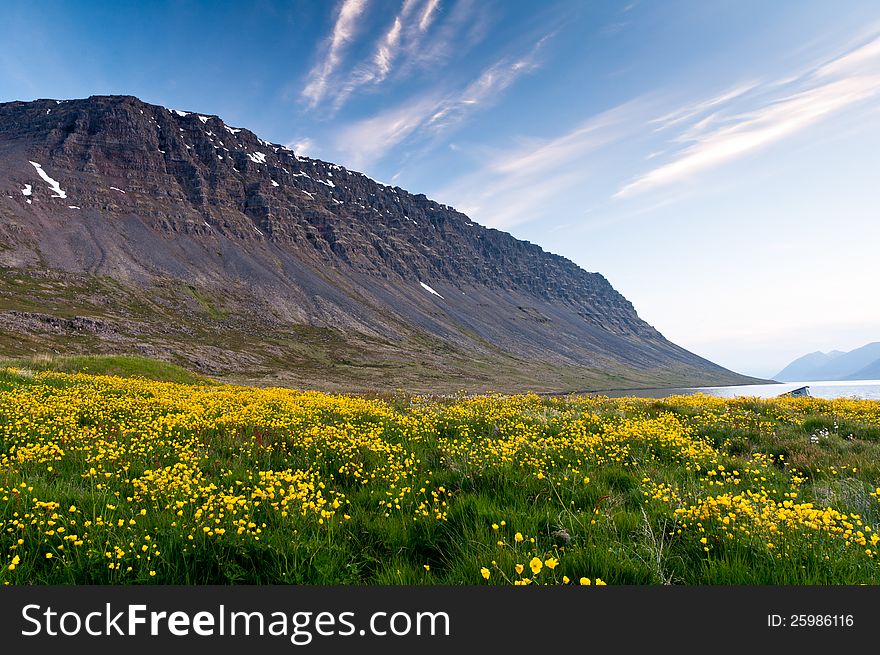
x=717, y=161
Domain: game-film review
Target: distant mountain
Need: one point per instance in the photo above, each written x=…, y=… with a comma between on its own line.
x=859, y=364
x=870, y=372
x=803, y=367
x=129, y=227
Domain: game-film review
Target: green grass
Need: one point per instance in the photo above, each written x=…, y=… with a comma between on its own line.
x=120, y=365
x=173, y=476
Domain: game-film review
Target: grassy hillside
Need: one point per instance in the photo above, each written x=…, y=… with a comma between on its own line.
x=119, y=365
x=216, y=333
x=115, y=480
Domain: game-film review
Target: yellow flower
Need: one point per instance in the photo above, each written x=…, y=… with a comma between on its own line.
x=536, y=565
x=427, y=567
x=152, y=573
x=519, y=568
x=551, y=563
x=485, y=573
x=585, y=582
x=565, y=579
x=586, y=480
x=600, y=582
x=494, y=526
x=518, y=537
x=48, y=555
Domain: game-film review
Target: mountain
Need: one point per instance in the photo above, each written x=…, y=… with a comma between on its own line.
x=129, y=227
x=869, y=372
x=803, y=367
x=853, y=365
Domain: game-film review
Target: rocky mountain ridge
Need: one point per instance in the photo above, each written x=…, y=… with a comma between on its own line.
x=208, y=223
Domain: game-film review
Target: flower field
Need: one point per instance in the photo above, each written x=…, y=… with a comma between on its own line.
x=112, y=480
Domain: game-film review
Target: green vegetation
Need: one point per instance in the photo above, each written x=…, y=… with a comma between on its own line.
x=132, y=366
x=132, y=481
x=220, y=330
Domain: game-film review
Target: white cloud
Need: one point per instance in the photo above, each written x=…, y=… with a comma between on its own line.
x=515, y=186
x=344, y=30
x=428, y=13
x=491, y=82
x=464, y=25
x=377, y=68
x=304, y=147
x=368, y=140
x=687, y=112
x=387, y=50
x=867, y=54
x=829, y=89
x=519, y=185
x=402, y=46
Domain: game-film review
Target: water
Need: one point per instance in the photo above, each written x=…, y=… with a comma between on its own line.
x=864, y=389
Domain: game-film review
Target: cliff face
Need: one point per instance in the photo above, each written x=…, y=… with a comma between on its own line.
x=210, y=223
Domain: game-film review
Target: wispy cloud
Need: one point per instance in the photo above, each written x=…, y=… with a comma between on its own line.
x=866, y=55
x=366, y=141
x=775, y=111
x=388, y=49
x=431, y=114
x=428, y=14
x=565, y=175
x=406, y=44
x=402, y=32
x=304, y=146
x=687, y=112
x=463, y=25
x=491, y=82
x=344, y=30
x=519, y=185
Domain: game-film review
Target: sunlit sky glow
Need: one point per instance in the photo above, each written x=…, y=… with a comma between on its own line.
x=717, y=162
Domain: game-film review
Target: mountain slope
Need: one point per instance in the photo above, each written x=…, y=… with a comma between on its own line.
x=125, y=226
x=804, y=368
x=869, y=372
x=837, y=365
x=851, y=362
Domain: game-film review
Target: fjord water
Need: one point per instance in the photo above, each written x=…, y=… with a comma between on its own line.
x=863, y=389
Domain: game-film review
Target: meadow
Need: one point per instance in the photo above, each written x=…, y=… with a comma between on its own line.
x=127, y=480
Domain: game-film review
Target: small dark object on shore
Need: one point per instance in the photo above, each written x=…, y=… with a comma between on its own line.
x=800, y=392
